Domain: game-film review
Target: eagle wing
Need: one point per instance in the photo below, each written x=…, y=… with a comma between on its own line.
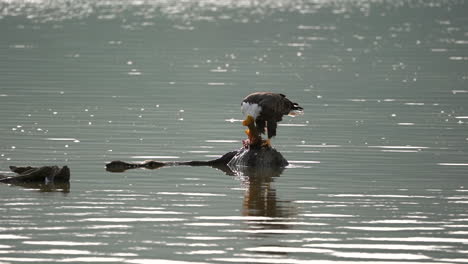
x=274, y=105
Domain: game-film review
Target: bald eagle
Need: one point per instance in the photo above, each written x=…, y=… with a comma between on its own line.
x=262, y=111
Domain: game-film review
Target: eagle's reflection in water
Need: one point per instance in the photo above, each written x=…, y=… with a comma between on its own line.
x=269, y=214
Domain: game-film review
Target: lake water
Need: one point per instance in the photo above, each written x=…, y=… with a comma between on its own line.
x=379, y=167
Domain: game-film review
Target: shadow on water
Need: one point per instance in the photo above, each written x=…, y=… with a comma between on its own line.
x=267, y=165
x=260, y=198
x=63, y=187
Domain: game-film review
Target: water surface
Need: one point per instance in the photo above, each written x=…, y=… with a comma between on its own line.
x=378, y=162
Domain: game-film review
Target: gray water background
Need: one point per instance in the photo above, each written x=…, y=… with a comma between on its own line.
x=378, y=161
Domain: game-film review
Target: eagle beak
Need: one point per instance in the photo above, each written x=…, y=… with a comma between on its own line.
x=248, y=121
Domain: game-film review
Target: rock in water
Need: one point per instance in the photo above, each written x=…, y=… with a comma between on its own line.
x=258, y=157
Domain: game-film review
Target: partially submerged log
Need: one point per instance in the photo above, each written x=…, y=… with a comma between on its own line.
x=45, y=174
x=250, y=156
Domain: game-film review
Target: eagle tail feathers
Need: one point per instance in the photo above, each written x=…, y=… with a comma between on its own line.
x=296, y=110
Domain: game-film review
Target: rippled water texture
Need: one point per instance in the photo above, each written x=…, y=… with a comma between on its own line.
x=379, y=162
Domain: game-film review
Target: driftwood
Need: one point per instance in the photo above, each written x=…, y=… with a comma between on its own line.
x=46, y=178
x=45, y=174
x=250, y=156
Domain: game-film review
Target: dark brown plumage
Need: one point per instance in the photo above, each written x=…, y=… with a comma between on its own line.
x=268, y=109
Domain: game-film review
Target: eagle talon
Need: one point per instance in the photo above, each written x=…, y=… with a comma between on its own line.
x=266, y=143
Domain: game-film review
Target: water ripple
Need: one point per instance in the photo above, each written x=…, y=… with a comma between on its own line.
x=419, y=239
x=129, y=219
x=64, y=243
